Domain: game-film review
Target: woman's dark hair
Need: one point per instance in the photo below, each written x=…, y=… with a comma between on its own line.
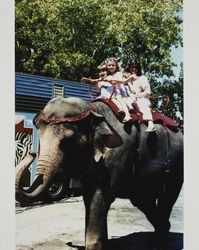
x=135, y=64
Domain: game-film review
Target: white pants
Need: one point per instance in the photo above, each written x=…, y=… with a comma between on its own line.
x=144, y=107
x=106, y=92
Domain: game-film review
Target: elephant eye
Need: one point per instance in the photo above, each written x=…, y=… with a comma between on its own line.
x=67, y=143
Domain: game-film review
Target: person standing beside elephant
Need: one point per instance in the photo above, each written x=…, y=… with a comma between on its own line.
x=120, y=92
x=139, y=89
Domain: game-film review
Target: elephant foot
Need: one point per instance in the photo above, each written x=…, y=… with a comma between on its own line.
x=162, y=240
x=95, y=246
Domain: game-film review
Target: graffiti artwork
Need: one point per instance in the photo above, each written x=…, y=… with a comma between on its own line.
x=24, y=134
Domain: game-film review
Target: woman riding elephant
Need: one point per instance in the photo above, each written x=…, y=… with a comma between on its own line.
x=110, y=159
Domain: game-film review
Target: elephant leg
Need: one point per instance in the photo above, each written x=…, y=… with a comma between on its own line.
x=149, y=208
x=96, y=220
x=165, y=204
x=152, y=213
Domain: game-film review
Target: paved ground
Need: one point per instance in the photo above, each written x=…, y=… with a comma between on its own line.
x=61, y=226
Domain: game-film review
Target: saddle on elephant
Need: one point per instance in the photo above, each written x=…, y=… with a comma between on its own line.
x=136, y=115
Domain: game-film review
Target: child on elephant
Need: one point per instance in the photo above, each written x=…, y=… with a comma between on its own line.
x=105, y=85
x=120, y=92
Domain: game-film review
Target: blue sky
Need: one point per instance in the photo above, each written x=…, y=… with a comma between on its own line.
x=177, y=55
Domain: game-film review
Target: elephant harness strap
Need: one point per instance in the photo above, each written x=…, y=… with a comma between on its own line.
x=67, y=119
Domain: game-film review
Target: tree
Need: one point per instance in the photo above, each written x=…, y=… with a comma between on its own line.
x=174, y=90
x=68, y=39
x=62, y=35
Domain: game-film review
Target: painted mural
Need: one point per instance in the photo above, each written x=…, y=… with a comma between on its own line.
x=25, y=138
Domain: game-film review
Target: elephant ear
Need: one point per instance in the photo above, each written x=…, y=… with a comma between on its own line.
x=105, y=137
x=37, y=119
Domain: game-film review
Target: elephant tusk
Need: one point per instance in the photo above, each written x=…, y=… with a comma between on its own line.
x=96, y=114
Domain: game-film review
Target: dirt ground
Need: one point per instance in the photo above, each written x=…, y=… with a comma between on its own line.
x=60, y=226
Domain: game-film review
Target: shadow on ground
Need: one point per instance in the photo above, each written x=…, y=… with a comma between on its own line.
x=140, y=241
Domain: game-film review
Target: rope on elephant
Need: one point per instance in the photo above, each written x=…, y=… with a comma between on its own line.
x=94, y=82
x=163, y=97
x=67, y=119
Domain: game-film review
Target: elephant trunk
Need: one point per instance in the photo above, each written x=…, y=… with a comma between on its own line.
x=46, y=168
x=20, y=169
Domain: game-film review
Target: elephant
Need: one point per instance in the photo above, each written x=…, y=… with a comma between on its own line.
x=111, y=159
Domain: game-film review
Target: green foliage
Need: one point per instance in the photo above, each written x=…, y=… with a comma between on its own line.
x=174, y=90
x=63, y=36
x=68, y=39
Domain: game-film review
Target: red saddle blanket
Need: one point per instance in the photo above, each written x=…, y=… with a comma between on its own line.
x=137, y=115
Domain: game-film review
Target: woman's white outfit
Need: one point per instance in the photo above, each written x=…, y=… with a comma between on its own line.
x=138, y=86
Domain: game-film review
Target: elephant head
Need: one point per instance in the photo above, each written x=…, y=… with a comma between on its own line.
x=71, y=135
